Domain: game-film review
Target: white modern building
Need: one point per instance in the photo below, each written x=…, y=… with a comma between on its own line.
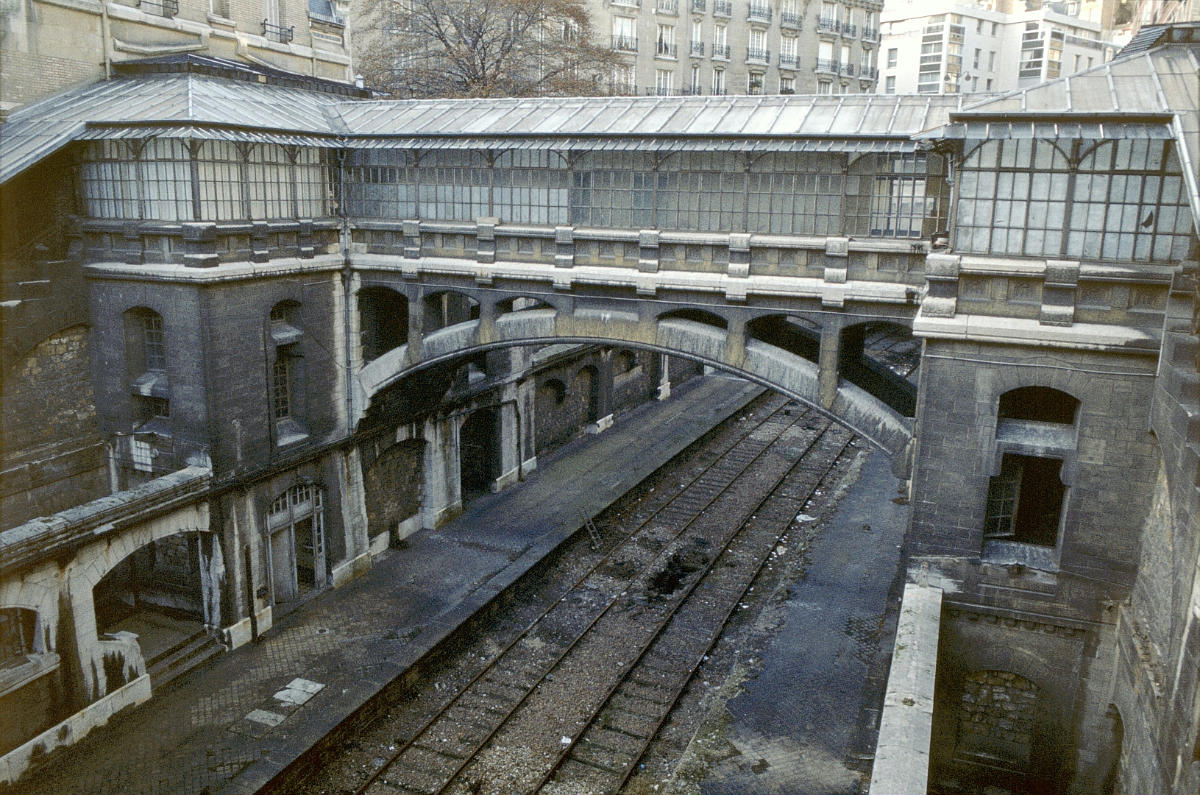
x=942, y=48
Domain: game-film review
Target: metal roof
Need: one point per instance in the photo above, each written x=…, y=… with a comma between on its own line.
x=860, y=115
x=1152, y=94
x=36, y=131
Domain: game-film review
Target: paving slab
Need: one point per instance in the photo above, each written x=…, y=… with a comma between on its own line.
x=235, y=723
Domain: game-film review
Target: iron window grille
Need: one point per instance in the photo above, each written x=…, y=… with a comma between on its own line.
x=163, y=8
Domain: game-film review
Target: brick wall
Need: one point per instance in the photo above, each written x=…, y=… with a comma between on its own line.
x=52, y=454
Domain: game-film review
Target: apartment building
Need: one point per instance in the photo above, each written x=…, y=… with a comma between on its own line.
x=703, y=47
x=977, y=48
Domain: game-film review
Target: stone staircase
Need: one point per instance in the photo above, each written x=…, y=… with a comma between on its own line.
x=189, y=653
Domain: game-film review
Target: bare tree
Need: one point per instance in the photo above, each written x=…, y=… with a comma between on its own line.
x=480, y=48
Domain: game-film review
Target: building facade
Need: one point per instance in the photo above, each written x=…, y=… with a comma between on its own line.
x=306, y=317
x=714, y=47
x=973, y=48
x=51, y=45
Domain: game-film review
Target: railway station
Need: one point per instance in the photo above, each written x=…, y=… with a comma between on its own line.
x=267, y=338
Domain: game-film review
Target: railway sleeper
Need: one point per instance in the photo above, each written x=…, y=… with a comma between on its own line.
x=576, y=778
x=629, y=723
x=646, y=692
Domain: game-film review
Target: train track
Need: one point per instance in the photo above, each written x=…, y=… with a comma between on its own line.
x=574, y=700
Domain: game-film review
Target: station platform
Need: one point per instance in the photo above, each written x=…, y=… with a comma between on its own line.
x=234, y=724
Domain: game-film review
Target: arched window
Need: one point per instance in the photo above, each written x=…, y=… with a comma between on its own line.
x=287, y=373
x=149, y=386
x=1035, y=434
x=1039, y=404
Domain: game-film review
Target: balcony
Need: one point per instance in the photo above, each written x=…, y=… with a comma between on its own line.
x=720, y=52
x=699, y=5
x=697, y=49
x=160, y=8
x=827, y=67
x=693, y=91
x=789, y=19
x=758, y=55
x=846, y=70
x=759, y=12
x=826, y=25
x=626, y=3
x=624, y=43
x=849, y=30
x=868, y=73
x=666, y=49
x=663, y=91
x=278, y=33
x=722, y=8
x=789, y=61
x=871, y=34
x=666, y=7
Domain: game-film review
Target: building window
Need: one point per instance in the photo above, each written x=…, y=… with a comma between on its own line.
x=787, y=85
x=1025, y=500
x=664, y=82
x=893, y=56
x=718, y=81
x=824, y=87
x=665, y=41
x=890, y=85
x=624, y=34
x=287, y=384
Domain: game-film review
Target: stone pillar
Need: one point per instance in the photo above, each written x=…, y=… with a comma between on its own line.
x=442, y=495
x=486, y=331
x=828, y=361
x=527, y=418
x=353, y=504
x=416, y=327
x=664, y=377
x=604, y=389
x=735, y=343
x=508, y=452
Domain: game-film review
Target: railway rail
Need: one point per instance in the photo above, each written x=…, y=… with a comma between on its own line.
x=573, y=701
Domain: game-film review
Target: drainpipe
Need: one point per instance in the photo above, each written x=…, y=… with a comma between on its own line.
x=347, y=298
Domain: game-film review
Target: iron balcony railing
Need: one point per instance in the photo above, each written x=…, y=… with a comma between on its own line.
x=758, y=55
x=826, y=25
x=827, y=66
x=280, y=33
x=699, y=5
x=624, y=43
x=870, y=34
x=662, y=91
x=693, y=91
x=720, y=52
x=849, y=30
x=788, y=61
x=629, y=3
x=789, y=19
x=666, y=49
x=847, y=69
x=759, y=12
x=667, y=6
x=869, y=73
x=723, y=8
x=697, y=49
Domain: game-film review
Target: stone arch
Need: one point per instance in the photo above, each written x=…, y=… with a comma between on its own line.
x=876, y=355
x=382, y=320
x=997, y=716
x=522, y=303
x=446, y=308
x=794, y=334
x=695, y=315
x=1038, y=404
x=393, y=481
x=586, y=384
